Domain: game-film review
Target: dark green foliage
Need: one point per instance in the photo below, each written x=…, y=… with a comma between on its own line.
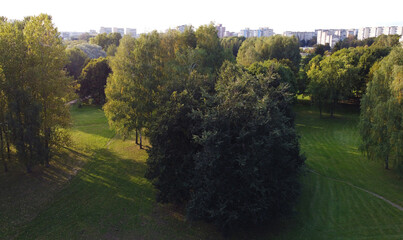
x=275, y=68
x=321, y=49
x=93, y=80
x=352, y=41
x=77, y=61
x=170, y=162
x=248, y=169
x=265, y=48
x=233, y=44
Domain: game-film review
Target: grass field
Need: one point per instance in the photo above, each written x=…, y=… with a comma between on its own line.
x=109, y=198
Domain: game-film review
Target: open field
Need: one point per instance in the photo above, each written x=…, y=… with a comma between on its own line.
x=109, y=198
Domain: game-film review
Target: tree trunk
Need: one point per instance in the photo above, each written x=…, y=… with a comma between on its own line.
x=47, y=148
x=320, y=110
x=2, y=151
x=387, y=162
x=137, y=137
x=141, y=141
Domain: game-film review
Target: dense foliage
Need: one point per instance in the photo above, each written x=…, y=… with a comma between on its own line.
x=247, y=170
x=93, y=80
x=77, y=61
x=165, y=85
x=342, y=75
x=264, y=48
x=381, y=120
x=33, y=90
x=105, y=40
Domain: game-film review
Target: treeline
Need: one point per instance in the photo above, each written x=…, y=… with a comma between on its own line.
x=369, y=75
x=223, y=140
x=33, y=91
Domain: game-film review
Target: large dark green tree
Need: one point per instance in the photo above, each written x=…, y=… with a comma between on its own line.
x=77, y=61
x=247, y=170
x=93, y=80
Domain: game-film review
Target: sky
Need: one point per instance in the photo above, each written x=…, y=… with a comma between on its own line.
x=148, y=15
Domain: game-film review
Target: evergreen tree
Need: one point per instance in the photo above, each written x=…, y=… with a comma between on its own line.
x=247, y=170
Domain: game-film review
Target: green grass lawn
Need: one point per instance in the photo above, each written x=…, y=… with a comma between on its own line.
x=109, y=198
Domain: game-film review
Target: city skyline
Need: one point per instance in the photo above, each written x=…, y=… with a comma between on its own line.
x=82, y=16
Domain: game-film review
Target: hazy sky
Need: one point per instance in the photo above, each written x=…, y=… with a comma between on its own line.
x=147, y=15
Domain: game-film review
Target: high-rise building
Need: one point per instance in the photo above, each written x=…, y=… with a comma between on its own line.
x=261, y=32
x=265, y=32
x=220, y=30
x=368, y=32
x=131, y=31
x=332, y=36
x=119, y=30
x=106, y=30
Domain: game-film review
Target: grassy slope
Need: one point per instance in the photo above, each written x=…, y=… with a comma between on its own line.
x=110, y=199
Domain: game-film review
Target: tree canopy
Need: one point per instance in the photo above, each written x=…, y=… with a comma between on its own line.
x=381, y=124
x=93, y=80
x=265, y=48
x=33, y=89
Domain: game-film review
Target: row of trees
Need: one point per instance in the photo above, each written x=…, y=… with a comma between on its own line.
x=33, y=91
x=222, y=137
x=344, y=74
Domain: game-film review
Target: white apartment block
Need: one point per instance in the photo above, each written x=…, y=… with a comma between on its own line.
x=220, y=30
x=332, y=36
x=261, y=32
x=131, y=31
x=119, y=30
x=368, y=32
x=106, y=30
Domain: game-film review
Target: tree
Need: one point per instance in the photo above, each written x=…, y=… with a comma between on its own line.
x=233, y=44
x=210, y=51
x=330, y=81
x=105, y=40
x=275, y=68
x=91, y=50
x=265, y=48
x=35, y=86
x=381, y=124
x=77, y=61
x=93, y=80
x=247, y=170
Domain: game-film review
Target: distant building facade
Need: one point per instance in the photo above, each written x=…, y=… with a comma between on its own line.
x=332, y=36
x=131, y=32
x=220, y=30
x=106, y=30
x=119, y=30
x=261, y=32
x=369, y=32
